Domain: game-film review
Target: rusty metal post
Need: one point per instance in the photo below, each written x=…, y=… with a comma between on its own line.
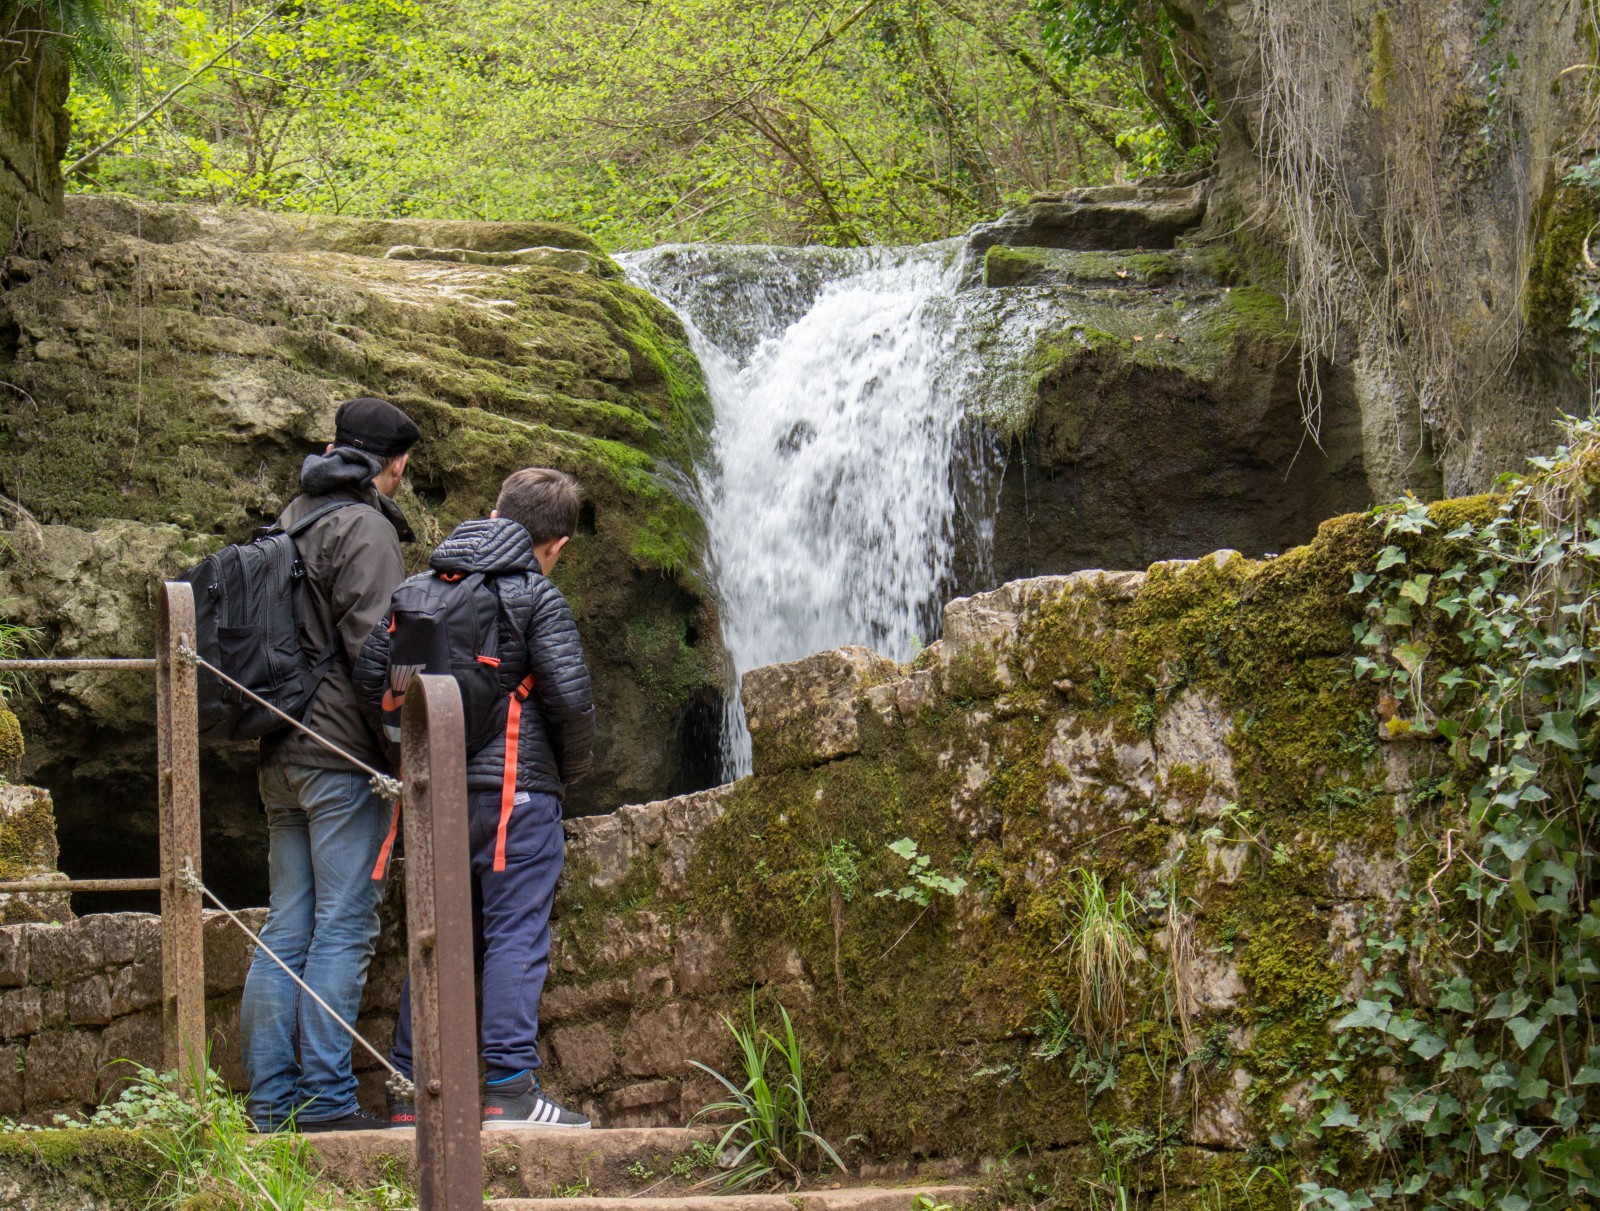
x=444, y=1018
x=183, y=974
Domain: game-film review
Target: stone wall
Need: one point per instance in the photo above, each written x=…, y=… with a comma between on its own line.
x=78, y=999
x=1190, y=741
x=1191, y=735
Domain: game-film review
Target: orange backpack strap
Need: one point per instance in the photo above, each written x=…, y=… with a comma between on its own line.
x=508, y=779
x=381, y=866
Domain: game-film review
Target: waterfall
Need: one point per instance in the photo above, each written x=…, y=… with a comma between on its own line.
x=842, y=478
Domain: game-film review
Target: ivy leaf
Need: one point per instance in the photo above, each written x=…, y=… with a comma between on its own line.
x=1556, y=728
x=1525, y=1031
x=1340, y=1116
x=1508, y=1004
x=905, y=848
x=1398, y=615
x=1456, y=994
x=1465, y=1055
x=1367, y=1015
x=1563, y=1002
x=1411, y=656
x=1531, y=1087
x=1427, y=1045
x=1526, y=1140
x=1390, y=556
x=1416, y=589
x=1360, y=582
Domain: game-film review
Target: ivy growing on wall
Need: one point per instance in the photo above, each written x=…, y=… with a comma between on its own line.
x=1466, y=1074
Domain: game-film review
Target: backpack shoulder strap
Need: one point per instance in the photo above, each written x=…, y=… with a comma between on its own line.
x=298, y=527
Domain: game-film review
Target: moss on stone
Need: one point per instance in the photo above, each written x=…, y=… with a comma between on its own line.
x=11, y=746
x=1565, y=218
x=119, y=1166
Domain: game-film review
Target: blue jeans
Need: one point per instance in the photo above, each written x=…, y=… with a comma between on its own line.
x=325, y=828
x=510, y=929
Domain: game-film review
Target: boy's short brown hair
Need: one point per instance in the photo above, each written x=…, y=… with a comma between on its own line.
x=543, y=501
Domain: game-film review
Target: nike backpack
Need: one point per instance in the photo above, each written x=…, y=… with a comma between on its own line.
x=250, y=602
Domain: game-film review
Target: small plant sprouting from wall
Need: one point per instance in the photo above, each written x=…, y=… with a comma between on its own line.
x=924, y=882
x=16, y=641
x=1102, y=949
x=1463, y=1076
x=772, y=1140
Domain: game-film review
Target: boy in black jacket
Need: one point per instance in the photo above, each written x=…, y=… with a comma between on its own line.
x=514, y=811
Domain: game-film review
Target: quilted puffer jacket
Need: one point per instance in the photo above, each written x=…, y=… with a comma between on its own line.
x=538, y=635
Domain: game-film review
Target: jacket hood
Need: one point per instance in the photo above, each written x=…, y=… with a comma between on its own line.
x=350, y=471
x=342, y=468
x=496, y=544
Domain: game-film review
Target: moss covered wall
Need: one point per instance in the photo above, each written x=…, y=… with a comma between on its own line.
x=1191, y=735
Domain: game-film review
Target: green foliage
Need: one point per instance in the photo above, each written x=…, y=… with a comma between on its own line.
x=926, y=882
x=701, y=1156
x=86, y=33
x=772, y=1141
x=16, y=641
x=841, y=865
x=1478, y=1009
x=1082, y=33
x=775, y=121
x=1585, y=319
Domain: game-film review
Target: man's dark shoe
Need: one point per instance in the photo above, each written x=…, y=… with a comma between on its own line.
x=402, y=1111
x=519, y=1102
x=359, y=1121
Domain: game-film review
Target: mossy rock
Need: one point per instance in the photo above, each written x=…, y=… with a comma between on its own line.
x=11, y=746
x=172, y=366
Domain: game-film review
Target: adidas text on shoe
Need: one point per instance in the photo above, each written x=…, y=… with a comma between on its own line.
x=520, y=1102
x=402, y=1111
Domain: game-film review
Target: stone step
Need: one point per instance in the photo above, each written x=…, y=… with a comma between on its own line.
x=532, y=1163
x=849, y=1198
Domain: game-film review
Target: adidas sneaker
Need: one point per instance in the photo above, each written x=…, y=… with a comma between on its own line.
x=402, y=1111
x=519, y=1102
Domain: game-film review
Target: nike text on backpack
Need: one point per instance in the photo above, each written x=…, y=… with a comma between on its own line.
x=449, y=623
x=250, y=602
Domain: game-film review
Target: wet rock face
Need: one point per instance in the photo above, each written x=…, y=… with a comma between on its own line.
x=1166, y=418
x=172, y=366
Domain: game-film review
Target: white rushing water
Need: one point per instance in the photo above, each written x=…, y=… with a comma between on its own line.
x=842, y=478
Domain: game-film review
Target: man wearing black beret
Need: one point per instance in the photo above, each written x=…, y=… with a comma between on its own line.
x=326, y=825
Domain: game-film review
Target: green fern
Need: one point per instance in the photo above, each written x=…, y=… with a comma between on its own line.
x=85, y=31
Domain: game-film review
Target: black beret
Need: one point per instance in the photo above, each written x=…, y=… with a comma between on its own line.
x=376, y=426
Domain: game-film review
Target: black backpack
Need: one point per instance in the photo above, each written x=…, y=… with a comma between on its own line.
x=448, y=623
x=249, y=602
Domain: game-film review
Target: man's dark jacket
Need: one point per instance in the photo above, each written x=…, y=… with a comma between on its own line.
x=538, y=635
x=352, y=561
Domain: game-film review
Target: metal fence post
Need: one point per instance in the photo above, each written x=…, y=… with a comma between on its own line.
x=183, y=975
x=439, y=923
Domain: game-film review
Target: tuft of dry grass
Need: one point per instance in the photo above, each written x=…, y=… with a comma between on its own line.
x=1103, y=950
